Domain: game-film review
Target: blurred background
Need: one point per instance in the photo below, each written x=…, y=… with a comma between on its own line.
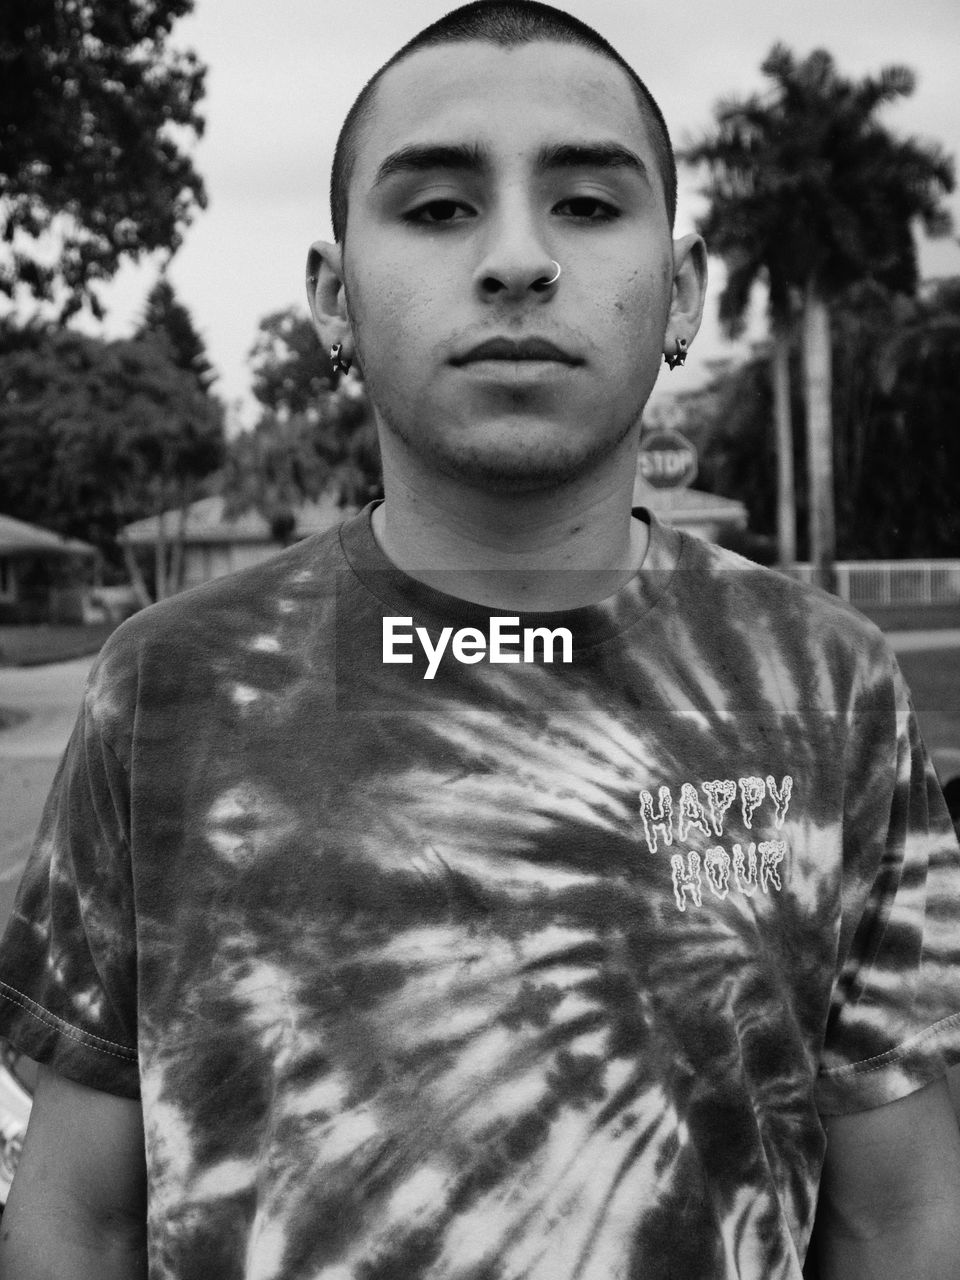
x=164, y=167
x=166, y=414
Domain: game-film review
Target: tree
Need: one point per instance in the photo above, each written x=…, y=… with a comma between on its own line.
x=896, y=403
x=728, y=420
x=316, y=431
x=168, y=320
x=95, y=106
x=274, y=469
x=96, y=434
x=743, y=228
x=290, y=370
x=910, y=460
x=810, y=176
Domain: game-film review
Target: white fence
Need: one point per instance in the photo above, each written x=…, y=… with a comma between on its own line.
x=894, y=582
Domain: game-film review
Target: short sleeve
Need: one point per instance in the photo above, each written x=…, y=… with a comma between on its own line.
x=68, y=957
x=894, y=1024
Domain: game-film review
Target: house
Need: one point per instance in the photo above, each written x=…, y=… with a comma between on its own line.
x=707, y=515
x=215, y=544
x=43, y=577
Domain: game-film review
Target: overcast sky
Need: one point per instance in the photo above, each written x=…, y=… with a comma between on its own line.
x=283, y=75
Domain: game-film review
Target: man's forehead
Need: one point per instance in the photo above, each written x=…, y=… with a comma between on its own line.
x=473, y=88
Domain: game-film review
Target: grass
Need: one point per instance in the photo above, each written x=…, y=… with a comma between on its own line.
x=914, y=617
x=934, y=679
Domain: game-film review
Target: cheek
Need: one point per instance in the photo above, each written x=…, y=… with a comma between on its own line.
x=648, y=291
x=631, y=326
x=635, y=318
x=390, y=314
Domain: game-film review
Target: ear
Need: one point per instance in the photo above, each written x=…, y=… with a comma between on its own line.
x=327, y=298
x=689, y=290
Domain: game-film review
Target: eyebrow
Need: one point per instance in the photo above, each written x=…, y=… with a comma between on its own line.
x=459, y=157
x=591, y=155
x=470, y=158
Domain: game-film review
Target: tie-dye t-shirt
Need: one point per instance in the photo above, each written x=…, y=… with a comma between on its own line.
x=527, y=971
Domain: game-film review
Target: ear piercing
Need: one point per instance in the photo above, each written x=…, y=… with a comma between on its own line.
x=679, y=356
x=341, y=364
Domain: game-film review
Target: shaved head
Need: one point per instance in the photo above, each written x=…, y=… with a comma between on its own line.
x=507, y=23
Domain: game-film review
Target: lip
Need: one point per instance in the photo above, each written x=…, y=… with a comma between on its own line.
x=516, y=350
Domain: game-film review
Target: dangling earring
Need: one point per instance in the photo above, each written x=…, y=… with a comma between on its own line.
x=340, y=363
x=679, y=356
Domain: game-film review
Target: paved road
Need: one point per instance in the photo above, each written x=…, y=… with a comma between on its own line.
x=29, y=752
x=924, y=641
x=51, y=696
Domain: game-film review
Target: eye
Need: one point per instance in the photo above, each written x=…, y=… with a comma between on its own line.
x=438, y=213
x=588, y=209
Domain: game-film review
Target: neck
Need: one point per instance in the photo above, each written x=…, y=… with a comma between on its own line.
x=528, y=552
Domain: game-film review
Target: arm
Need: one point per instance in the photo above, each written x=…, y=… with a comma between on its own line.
x=890, y=1193
x=77, y=1209
x=953, y=1080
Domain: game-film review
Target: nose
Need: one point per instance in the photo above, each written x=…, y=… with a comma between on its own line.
x=517, y=264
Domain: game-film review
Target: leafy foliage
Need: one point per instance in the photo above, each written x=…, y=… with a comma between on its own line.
x=896, y=405
x=290, y=371
x=96, y=106
x=805, y=181
x=809, y=191
x=94, y=434
x=898, y=458
x=316, y=431
x=167, y=320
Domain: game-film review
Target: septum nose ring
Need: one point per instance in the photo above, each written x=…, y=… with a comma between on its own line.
x=544, y=281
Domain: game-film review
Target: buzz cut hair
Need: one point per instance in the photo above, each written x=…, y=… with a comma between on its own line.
x=507, y=23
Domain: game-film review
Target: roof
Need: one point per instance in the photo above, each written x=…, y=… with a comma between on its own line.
x=17, y=536
x=206, y=522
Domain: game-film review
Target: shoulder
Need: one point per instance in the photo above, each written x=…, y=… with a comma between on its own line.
x=771, y=591
x=776, y=630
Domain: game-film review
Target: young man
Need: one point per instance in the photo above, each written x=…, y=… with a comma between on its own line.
x=505, y=885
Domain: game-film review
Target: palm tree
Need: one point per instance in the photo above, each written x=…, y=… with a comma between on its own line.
x=927, y=325
x=742, y=226
x=810, y=190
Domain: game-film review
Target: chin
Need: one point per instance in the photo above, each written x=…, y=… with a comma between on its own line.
x=517, y=472
x=513, y=455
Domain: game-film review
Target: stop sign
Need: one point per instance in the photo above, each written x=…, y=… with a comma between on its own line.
x=667, y=460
